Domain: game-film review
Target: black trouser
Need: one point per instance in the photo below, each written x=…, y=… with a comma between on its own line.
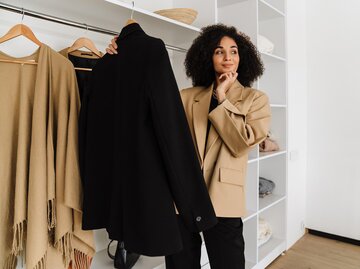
x=224, y=244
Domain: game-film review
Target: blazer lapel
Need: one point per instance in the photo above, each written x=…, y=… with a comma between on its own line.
x=213, y=135
x=200, y=119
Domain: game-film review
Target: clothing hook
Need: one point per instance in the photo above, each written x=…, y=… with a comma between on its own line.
x=132, y=11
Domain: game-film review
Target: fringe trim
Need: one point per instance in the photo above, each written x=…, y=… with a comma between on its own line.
x=42, y=263
x=64, y=246
x=51, y=214
x=10, y=262
x=81, y=260
x=18, y=238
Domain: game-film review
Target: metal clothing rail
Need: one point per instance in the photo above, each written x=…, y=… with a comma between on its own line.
x=51, y=18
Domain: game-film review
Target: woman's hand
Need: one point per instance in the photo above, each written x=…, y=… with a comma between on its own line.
x=224, y=83
x=111, y=49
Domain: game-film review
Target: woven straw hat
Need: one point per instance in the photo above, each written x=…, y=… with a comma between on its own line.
x=185, y=15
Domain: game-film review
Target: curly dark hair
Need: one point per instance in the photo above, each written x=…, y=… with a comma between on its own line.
x=198, y=62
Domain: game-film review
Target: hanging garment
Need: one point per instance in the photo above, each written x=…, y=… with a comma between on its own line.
x=88, y=61
x=40, y=204
x=82, y=59
x=139, y=157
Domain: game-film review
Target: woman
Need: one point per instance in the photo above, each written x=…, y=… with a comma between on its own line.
x=226, y=118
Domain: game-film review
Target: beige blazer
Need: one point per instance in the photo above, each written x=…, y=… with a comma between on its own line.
x=238, y=124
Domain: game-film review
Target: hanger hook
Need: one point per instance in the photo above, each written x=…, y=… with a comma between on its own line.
x=23, y=14
x=132, y=11
x=87, y=29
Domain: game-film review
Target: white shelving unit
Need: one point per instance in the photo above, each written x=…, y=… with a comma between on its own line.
x=266, y=18
x=253, y=17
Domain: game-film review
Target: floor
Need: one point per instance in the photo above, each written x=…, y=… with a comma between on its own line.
x=314, y=252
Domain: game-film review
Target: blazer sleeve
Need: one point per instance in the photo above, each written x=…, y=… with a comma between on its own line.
x=241, y=130
x=184, y=174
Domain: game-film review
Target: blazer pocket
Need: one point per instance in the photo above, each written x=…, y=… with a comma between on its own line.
x=232, y=176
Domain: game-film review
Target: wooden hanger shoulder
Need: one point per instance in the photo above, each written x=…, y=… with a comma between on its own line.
x=130, y=21
x=20, y=30
x=84, y=42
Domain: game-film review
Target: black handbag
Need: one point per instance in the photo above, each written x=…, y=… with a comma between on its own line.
x=123, y=259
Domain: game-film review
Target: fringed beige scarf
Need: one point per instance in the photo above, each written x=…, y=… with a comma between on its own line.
x=40, y=209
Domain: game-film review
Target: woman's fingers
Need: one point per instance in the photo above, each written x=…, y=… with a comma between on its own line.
x=111, y=49
x=224, y=77
x=234, y=76
x=113, y=42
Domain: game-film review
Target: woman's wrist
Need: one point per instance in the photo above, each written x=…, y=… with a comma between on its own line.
x=221, y=99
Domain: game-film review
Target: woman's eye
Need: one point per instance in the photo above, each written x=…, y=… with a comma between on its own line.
x=218, y=52
x=234, y=52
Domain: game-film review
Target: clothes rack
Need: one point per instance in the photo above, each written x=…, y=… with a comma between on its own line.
x=67, y=22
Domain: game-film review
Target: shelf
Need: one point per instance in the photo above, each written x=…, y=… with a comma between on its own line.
x=278, y=5
x=268, y=12
x=269, y=201
x=223, y=3
x=139, y=13
x=102, y=261
x=252, y=160
x=278, y=106
x=171, y=31
x=249, y=265
x=272, y=57
x=249, y=215
x=266, y=155
x=274, y=247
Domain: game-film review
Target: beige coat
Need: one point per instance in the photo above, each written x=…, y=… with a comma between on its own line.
x=238, y=124
x=40, y=201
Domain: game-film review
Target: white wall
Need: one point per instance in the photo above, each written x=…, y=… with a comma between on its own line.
x=333, y=200
x=297, y=117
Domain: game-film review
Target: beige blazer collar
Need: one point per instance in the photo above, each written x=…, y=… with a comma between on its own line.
x=200, y=116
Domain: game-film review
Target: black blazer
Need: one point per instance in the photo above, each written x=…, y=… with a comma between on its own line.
x=137, y=157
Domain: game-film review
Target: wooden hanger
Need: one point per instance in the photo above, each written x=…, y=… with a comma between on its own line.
x=131, y=20
x=84, y=42
x=19, y=30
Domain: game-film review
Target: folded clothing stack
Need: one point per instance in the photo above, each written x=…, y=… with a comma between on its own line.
x=265, y=232
x=269, y=144
x=266, y=187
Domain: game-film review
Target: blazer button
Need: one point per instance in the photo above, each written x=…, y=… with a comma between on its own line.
x=198, y=219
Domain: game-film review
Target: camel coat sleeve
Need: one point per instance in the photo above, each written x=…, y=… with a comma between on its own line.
x=243, y=124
